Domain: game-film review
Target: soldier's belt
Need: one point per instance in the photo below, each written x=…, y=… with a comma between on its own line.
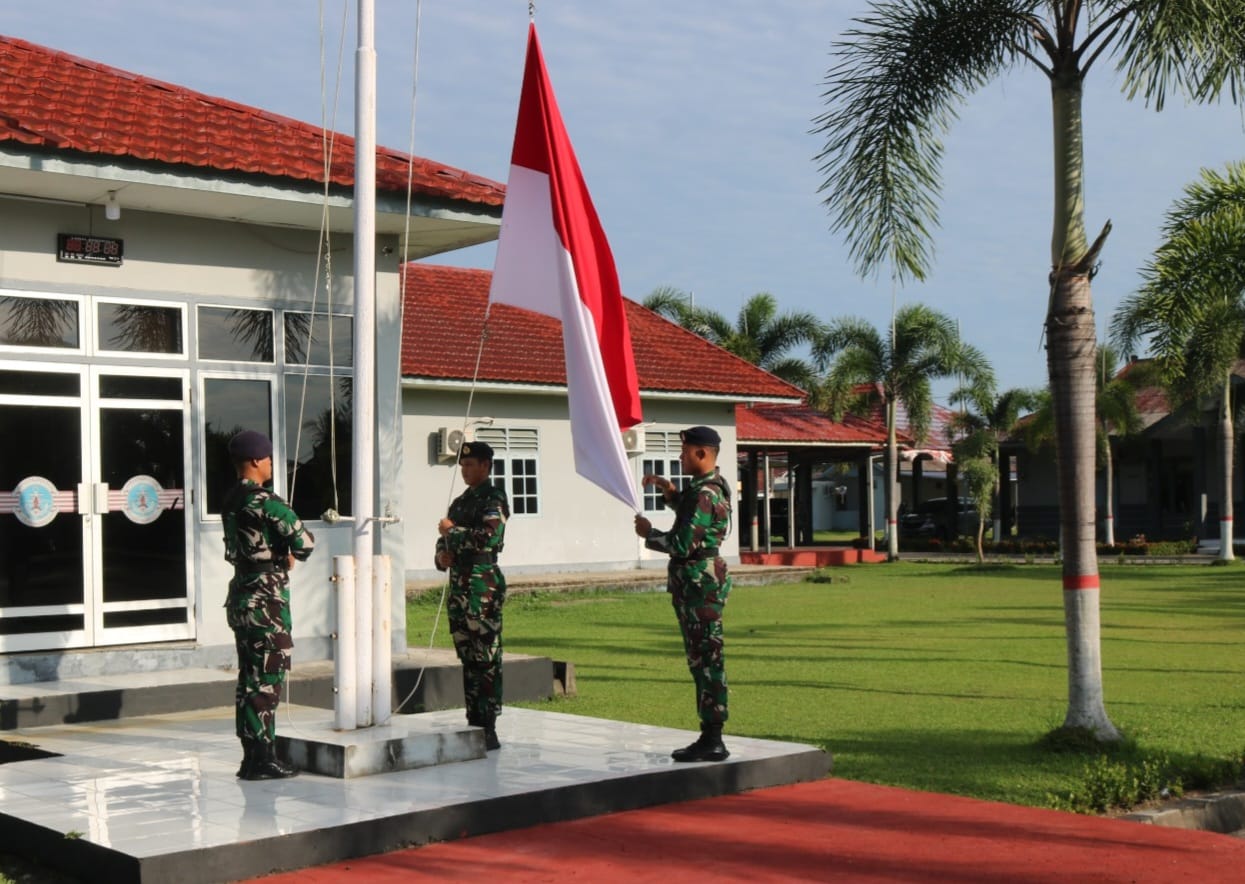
x=248, y=569
x=476, y=559
x=698, y=555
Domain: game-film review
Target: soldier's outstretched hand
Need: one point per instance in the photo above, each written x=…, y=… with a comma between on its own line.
x=642, y=526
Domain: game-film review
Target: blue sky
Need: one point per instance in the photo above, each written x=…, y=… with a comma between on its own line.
x=691, y=121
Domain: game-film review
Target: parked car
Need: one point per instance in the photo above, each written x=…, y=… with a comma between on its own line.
x=929, y=519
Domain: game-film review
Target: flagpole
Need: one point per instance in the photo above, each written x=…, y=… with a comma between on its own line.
x=363, y=436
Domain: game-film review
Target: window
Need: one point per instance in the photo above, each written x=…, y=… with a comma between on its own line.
x=515, y=465
x=235, y=335
x=318, y=412
x=332, y=342
x=657, y=444
x=139, y=328
x=230, y=405
x=317, y=447
x=39, y=322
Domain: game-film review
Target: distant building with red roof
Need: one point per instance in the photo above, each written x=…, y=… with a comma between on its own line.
x=1166, y=483
x=518, y=405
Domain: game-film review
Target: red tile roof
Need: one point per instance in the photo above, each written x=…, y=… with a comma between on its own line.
x=444, y=311
x=938, y=437
x=53, y=101
x=803, y=425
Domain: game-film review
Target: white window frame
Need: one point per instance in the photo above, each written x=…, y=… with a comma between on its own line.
x=97, y=346
x=661, y=448
x=276, y=353
x=83, y=321
x=512, y=444
x=273, y=380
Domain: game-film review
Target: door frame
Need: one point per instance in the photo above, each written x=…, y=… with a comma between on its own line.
x=96, y=606
x=65, y=639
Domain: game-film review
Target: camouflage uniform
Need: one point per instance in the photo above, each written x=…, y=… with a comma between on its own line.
x=260, y=531
x=477, y=593
x=698, y=584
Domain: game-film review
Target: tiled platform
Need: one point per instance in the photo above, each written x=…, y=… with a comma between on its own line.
x=154, y=799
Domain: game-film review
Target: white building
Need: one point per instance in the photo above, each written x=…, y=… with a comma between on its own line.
x=518, y=402
x=161, y=287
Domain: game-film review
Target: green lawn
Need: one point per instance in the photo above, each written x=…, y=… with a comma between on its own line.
x=934, y=677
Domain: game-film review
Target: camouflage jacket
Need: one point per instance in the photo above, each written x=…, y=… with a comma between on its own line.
x=479, y=515
x=261, y=530
x=702, y=519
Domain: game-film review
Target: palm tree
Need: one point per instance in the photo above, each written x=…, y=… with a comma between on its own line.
x=922, y=345
x=1192, y=307
x=892, y=94
x=1115, y=403
x=987, y=419
x=760, y=335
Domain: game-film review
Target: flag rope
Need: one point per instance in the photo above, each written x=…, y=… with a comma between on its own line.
x=449, y=497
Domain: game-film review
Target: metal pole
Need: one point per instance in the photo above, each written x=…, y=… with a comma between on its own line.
x=382, y=673
x=364, y=438
x=344, y=652
x=769, y=521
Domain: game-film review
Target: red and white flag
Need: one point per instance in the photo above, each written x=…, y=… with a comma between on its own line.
x=553, y=258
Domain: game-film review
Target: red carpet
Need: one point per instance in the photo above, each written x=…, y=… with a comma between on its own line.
x=830, y=830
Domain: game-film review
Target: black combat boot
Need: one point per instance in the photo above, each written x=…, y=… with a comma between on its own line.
x=490, y=733
x=708, y=746
x=266, y=765
x=490, y=739
x=248, y=757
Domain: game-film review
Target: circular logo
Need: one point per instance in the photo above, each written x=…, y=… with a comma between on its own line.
x=35, y=504
x=142, y=500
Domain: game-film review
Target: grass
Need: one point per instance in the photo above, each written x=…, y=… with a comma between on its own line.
x=932, y=677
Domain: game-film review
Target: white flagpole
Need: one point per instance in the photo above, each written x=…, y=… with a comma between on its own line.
x=364, y=443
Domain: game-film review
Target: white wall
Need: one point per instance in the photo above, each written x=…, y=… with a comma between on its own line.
x=579, y=527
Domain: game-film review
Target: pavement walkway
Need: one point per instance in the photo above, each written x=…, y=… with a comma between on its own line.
x=827, y=830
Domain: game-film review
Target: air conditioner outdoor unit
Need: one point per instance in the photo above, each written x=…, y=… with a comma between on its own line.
x=448, y=442
x=633, y=441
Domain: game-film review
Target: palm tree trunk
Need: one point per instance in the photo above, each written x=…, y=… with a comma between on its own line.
x=981, y=532
x=1070, y=355
x=892, y=483
x=1227, y=451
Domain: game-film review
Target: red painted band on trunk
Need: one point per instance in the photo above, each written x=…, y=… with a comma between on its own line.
x=1225, y=518
x=1080, y=581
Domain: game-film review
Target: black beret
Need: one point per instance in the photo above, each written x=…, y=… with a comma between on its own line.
x=478, y=450
x=701, y=436
x=250, y=445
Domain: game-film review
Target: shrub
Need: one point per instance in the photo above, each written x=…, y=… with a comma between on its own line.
x=1110, y=783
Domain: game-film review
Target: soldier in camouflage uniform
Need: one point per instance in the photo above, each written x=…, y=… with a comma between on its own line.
x=263, y=539
x=697, y=580
x=471, y=537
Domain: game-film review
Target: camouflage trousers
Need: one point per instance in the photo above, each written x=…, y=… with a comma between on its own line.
x=474, y=608
x=261, y=627
x=698, y=591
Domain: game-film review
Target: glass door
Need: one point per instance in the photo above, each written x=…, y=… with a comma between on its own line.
x=44, y=520
x=141, y=585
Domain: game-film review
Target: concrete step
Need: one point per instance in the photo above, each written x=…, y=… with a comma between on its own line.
x=423, y=680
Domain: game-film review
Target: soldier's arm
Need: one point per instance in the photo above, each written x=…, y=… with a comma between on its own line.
x=298, y=540
x=688, y=532
x=488, y=536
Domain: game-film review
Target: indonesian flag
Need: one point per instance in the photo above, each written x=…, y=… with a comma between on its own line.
x=553, y=258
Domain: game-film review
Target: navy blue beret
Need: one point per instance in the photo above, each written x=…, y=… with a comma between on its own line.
x=478, y=450
x=700, y=436
x=250, y=445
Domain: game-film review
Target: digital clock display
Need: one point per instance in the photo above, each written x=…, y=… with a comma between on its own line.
x=83, y=249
